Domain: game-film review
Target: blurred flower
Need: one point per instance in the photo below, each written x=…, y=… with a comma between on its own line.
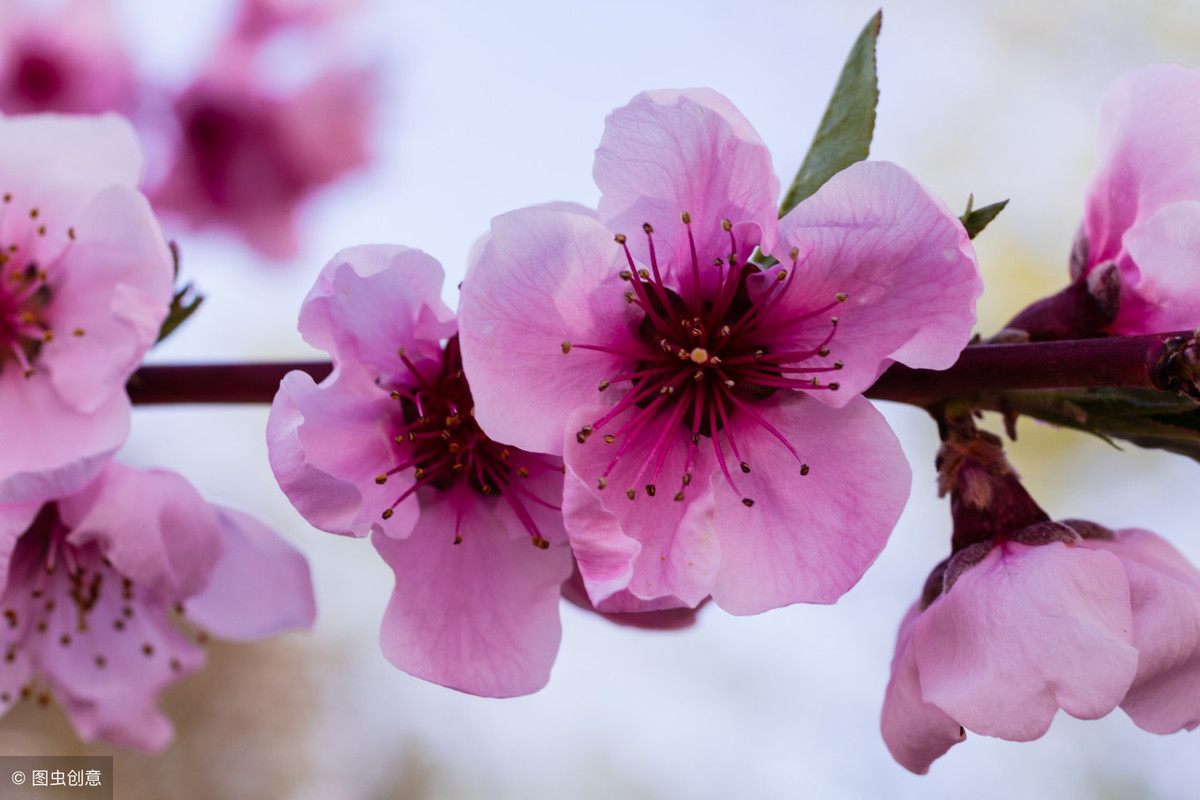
x=728, y=458
x=1134, y=263
x=109, y=592
x=85, y=282
x=248, y=155
x=70, y=61
x=388, y=445
x=1086, y=621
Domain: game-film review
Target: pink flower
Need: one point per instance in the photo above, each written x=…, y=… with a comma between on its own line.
x=109, y=592
x=248, y=155
x=1010, y=632
x=1133, y=264
x=85, y=283
x=388, y=445
x=70, y=61
x=1143, y=204
x=709, y=411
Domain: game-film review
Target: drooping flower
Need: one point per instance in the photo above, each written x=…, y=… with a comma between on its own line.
x=388, y=445
x=85, y=283
x=1089, y=620
x=69, y=61
x=1133, y=265
x=248, y=154
x=1028, y=616
x=708, y=408
x=109, y=593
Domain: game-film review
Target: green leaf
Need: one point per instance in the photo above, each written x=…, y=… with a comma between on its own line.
x=976, y=219
x=184, y=302
x=844, y=135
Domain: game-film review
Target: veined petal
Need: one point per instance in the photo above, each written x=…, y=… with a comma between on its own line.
x=1026, y=631
x=1149, y=154
x=260, y=587
x=672, y=151
x=480, y=616
x=372, y=299
x=328, y=443
x=545, y=276
x=651, y=552
x=902, y=259
x=811, y=532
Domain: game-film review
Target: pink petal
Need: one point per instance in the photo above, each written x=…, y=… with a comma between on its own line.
x=480, y=616
x=916, y=733
x=114, y=284
x=15, y=519
x=1165, y=248
x=1165, y=590
x=903, y=260
x=690, y=150
x=260, y=587
x=646, y=554
x=545, y=276
x=153, y=526
x=1024, y=632
x=1149, y=154
x=58, y=163
x=372, y=299
x=808, y=537
x=668, y=619
x=326, y=445
x=57, y=450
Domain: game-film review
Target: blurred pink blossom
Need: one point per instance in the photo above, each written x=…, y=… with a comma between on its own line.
x=1087, y=621
x=249, y=154
x=387, y=445
x=728, y=396
x=108, y=595
x=69, y=61
x=85, y=283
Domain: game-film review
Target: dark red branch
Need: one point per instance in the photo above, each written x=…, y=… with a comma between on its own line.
x=1119, y=361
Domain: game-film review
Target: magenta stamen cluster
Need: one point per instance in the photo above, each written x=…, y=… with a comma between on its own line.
x=705, y=356
x=443, y=445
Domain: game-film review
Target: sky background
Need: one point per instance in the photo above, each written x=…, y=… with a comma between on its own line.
x=486, y=107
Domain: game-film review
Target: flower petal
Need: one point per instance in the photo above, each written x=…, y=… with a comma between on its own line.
x=1149, y=155
x=690, y=150
x=1165, y=590
x=916, y=733
x=904, y=262
x=481, y=616
x=327, y=444
x=260, y=587
x=1024, y=632
x=808, y=537
x=153, y=526
x=652, y=552
x=372, y=299
x=1165, y=248
x=543, y=277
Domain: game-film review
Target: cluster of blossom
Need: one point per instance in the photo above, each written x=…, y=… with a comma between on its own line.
x=110, y=577
x=640, y=408
x=240, y=147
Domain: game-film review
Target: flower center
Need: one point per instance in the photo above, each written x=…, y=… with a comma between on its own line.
x=60, y=596
x=25, y=294
x=441, y=442
x=707, y=351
